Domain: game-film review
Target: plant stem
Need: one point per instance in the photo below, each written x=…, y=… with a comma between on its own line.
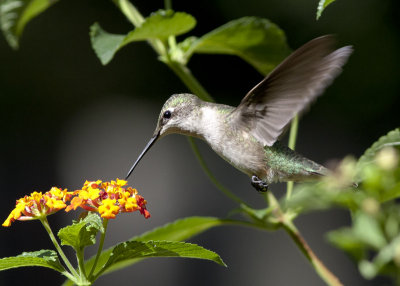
x=81, y=263
x=189, y=80
x=168, y=4
x=292, y=145
x=130, y=12
x=46, y=225
x=134, y=16
x=319, y=267
x=171, y=39
x=210, y=175
x=293, y=132
x=99, y=250
x=298, y=239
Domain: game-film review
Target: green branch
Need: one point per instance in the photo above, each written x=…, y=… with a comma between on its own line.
x=189, y=80
x=93, y=277
x=81, y=262
x=46, y=225
x=320, y=268
x=210, y=175
x=292, y=145
x=294, y=233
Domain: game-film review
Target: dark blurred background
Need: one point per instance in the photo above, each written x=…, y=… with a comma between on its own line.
x=66, y=118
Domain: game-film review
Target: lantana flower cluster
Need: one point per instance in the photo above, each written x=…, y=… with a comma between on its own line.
x=38, y=205
x=106, y=198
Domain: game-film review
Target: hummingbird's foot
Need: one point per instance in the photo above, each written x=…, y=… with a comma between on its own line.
x=259, y=184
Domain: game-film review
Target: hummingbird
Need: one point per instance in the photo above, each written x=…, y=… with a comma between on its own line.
x=247, y=136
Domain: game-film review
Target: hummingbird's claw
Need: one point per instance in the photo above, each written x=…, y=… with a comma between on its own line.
x=259, y=184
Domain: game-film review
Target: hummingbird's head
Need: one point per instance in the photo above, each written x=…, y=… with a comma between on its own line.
x=175, y=117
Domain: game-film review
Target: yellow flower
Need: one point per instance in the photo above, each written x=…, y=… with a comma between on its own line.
x=97, y=196
x=38, y=205
x=108, y=209
x=15, y=214
x=106, y=198
x=131, y=204
x=121, y=182
x=91, y=184
x=89, y=194
x=53, y=203
x=94, y=193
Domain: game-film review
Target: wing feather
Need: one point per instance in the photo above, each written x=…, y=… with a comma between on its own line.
x=269, y=107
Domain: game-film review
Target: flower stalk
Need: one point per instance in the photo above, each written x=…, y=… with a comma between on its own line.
x=320, y=268
x=292, y=145
x=47, y=227
x=92, y=277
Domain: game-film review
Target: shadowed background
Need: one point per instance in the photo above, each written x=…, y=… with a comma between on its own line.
x=66, y=118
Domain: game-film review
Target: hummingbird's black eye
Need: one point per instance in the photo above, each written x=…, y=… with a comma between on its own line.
x=167, y=114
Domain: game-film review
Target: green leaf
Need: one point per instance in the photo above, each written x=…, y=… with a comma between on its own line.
x=392, y=139
x=367, y=229
x=159, y=25
x=345, y=239
x=322, y=195
x=385, y=256
x=179, y=230
x=105, y=45
x=366, y=233
x=373, y=240
x=137, y=249
x=182, y=229
x=44, y=258
x=257, y=41
x=15, y=14
x=322, y=5
x=81, y=233
x=263, y=218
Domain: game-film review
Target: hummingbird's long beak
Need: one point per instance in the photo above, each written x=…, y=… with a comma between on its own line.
x=148, y=145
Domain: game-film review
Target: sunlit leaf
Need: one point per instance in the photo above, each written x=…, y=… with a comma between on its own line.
x=257, y=41
x=104, y=44
x=43, y=258
x=179, y=230
x=81, y=233
x=159, y=25
x=15, y=14
x=137, y=249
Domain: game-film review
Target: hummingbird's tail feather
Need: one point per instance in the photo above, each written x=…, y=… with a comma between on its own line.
x=325, y=172
x=320, y=170
x=288, y=165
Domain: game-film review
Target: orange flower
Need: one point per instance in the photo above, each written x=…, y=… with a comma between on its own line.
x=38, y=205
x=108, y=199
x=108, y=209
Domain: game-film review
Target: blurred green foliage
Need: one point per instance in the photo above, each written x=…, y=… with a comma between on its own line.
x=373, y=239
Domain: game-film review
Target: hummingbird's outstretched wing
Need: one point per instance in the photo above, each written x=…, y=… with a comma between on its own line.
x=289, y=88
